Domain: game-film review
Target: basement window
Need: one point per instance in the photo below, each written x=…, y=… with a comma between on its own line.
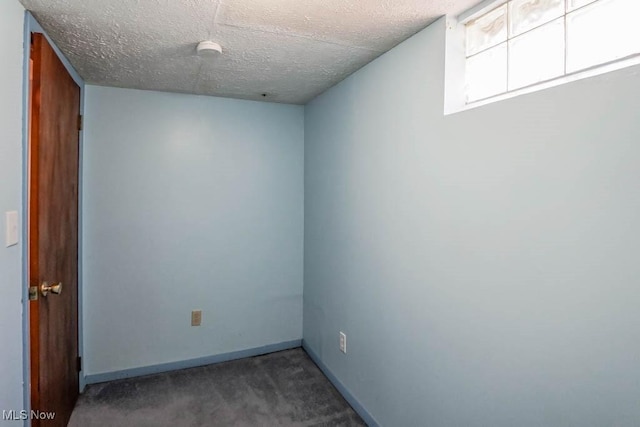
x=517, y=46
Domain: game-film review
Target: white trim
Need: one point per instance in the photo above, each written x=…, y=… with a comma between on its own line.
x=455, y=67
x=478, y=10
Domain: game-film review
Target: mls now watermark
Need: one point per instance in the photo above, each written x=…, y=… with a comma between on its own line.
x=14, y=415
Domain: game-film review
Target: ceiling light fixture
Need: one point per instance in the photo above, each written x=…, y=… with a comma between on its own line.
x=208, y=48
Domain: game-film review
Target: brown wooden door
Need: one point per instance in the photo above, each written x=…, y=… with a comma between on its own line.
x=53, y=233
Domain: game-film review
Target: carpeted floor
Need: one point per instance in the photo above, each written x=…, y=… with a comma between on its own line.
x=278, y=389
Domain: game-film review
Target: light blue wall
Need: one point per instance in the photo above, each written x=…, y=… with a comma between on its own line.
x=484, y=265
x=11, y=52
x=189, y=203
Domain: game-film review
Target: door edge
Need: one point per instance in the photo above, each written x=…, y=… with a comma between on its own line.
x=31, y=25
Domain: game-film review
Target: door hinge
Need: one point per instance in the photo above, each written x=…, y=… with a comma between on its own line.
x=79, y=364
x=33, y=293
x=80, y=122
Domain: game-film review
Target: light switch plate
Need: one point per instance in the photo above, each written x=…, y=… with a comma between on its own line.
x=12, y=228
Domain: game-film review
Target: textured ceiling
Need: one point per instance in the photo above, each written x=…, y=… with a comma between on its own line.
x=290, y=50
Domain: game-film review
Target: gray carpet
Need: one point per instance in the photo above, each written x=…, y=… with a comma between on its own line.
x=278, y=389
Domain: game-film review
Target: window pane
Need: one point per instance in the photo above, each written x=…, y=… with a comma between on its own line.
x=487, y=73
x=487, y=31
x=574, y=4
x=527, y=14
x=601, y=32
x=537, y=55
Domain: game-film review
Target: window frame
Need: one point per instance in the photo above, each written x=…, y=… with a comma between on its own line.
x=456, y=58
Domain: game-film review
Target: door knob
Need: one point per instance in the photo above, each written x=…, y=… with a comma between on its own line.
x=45, y=288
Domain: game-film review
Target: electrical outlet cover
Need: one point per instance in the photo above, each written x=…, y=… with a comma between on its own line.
x=196, y=317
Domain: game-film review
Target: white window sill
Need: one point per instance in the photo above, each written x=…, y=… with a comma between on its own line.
x=590, y=72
